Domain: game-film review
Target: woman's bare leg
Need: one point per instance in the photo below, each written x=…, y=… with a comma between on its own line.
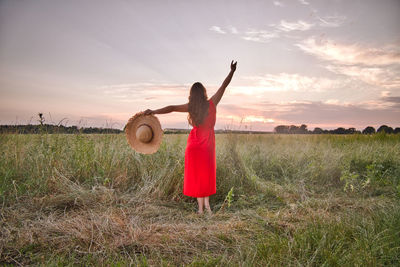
x=207, y=204
x=200, y=201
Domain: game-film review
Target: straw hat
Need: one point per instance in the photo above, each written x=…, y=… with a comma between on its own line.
x=144, y=133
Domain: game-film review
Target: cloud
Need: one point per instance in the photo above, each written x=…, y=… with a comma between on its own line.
x=350, y=54
x=375, y=66
x=260, y=36
x=304, y=2
x=233, y=30
x=277, y=3
x=217, y=29
x=283, y=82
x=255, y=35
x=359, y=115
x=379, y=76
x=231, y=116
x=332, y=21
x=393, y=100
x=300, y=25
x=140, y=92
x=385, y=93
x=261, y=115
x=332, y=101
x=322, y=114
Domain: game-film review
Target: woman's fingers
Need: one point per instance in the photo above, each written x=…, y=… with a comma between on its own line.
x=233, y=65
x=148, y=112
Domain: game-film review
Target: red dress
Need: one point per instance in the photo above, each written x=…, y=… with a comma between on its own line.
x=200, y=165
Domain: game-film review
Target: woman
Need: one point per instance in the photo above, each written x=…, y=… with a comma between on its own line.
x=200, y=165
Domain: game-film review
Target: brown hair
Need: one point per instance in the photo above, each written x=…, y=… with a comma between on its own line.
x=198, y=104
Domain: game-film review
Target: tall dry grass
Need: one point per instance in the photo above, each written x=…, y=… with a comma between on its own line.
x=90, y=199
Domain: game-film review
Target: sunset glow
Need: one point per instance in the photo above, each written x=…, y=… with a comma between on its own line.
x=248, y=119
x=321, y=63
x=257, y=119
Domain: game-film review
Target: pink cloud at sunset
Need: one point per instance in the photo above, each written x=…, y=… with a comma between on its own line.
x=331, y=50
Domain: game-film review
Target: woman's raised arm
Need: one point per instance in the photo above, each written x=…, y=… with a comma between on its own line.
x=218, y=95
x=168, y=109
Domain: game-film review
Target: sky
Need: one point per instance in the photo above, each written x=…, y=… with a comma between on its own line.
x=325, y=63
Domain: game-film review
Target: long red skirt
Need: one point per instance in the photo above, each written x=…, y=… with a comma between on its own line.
x=200, y=164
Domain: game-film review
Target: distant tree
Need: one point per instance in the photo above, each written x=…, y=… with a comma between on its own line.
x=386, y=129
x=369, y=130
x=318, y=131
x=351, y=131
x=282, y=129
x=339, y=130
x=397, y=130
x=293, y=129
x=303, y=129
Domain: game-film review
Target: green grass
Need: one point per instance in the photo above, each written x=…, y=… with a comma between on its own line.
x=287, y=200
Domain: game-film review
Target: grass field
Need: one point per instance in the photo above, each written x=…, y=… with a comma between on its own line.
x=282, y=200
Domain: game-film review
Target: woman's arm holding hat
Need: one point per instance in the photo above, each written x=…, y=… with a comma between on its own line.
x=168, y=109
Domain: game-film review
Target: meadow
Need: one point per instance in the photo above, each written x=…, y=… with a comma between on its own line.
x=282, y=200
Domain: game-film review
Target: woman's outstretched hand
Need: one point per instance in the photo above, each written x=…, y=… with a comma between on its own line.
x=233, y=66
x=148, y=112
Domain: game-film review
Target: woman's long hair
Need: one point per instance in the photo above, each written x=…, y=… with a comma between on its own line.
x=198, y=104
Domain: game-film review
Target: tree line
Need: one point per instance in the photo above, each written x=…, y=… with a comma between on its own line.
x=280, y=129
x=53, y=129
x=42, y=127
x=302, y=129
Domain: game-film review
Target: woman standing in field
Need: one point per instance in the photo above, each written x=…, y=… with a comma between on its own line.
x=200, y=164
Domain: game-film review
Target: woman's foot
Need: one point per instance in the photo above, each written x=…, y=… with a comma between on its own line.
x=200, y=201
x=208, y=209
x=207, y=205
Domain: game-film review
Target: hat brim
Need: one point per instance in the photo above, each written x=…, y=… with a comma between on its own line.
x=134, y=123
